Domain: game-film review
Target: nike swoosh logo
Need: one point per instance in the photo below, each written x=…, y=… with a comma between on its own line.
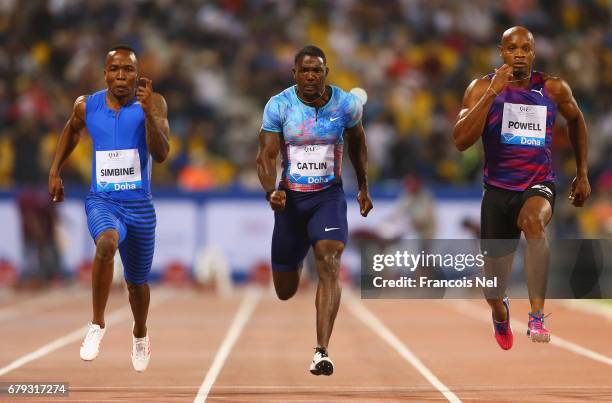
x=330, y=229
x=332, y=119
x=542, y=188
x=539, y=92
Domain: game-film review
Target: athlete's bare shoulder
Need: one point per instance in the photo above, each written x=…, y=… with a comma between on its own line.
x=475, y=91
x=479, y=84
x=79, y=106
x=557, y=88
x=553, y=82
x=77, y=118
x=486, y=80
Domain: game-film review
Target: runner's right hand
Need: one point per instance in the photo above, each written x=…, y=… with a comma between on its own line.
x=277, y=200
x=56, y=188
x=501, y=78
x=365, y=202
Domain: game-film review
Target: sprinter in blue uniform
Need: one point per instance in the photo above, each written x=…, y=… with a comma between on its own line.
x=129, y=127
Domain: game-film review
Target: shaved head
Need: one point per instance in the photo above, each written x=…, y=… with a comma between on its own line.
x=517, y=31
x=121, y=71
x=121, y=48
x=517, y=49
x=128, y=52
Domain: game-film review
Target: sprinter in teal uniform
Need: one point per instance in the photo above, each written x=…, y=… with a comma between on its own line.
x=129, y=127
x=307, y=124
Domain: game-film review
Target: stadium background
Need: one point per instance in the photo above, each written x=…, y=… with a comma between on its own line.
x=218, y=62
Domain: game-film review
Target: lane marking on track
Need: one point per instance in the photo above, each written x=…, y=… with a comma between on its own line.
x=45, y=301
x=117, y=316
x=361, y=312
x=337, y=388
x=483, y=315
x=243, y=314
x=590, y=307
x=55, y=399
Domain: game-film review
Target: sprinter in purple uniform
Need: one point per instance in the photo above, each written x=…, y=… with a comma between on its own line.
x=513, y=110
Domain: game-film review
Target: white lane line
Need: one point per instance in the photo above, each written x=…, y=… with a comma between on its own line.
x=362, y=313
x=484, y=315
x=337, y=388
x=249, y=302
x=116, y=316
x=590, y=307
x=44, y=301
x=55, y=399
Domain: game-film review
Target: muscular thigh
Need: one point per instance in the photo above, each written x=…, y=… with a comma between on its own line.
x=327, y=219
x=498, y=229
x=139, y=244
x=538, y=201
x=289, y=240
x=102, y=216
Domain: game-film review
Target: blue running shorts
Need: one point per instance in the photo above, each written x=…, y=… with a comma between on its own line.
x=135, y=222
x=308, y=217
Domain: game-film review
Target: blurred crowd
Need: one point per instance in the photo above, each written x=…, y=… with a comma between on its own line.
x=217, y=63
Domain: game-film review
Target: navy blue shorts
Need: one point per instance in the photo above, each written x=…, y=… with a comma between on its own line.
x=308, y=217
x=135, y=222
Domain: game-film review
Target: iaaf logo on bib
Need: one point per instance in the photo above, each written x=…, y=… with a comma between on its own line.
x=311, y=148
x=115, y=154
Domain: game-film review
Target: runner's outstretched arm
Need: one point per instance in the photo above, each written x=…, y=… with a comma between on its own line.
x=68, y=140
x=560, y=91
x=358, y=153
x=269, y=147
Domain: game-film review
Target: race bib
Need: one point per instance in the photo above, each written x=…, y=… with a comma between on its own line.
x=118, y=170
x=524, y=125
x=311, y=164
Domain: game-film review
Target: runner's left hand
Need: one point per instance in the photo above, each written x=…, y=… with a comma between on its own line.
x=56, y=188
x=365, y=202
x=581, y=190
x=144, y=92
